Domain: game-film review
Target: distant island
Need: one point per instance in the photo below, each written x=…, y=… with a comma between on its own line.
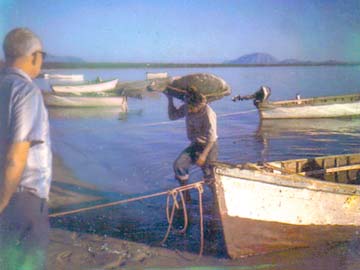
x=248, y=60
x=265, y=59
x=50, y=58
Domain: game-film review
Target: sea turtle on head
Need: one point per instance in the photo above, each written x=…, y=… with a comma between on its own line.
x=209, y=85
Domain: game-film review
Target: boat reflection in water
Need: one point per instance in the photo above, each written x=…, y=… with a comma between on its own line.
x=91, y=113
x=276, y=127
x=291, y=138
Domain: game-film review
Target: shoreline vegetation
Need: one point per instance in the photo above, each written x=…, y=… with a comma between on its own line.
x=113, y=65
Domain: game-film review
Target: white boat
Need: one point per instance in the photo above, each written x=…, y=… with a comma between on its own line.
x=67, y=77
x=90, y=112
x=71, y=101
x=156, y=75
x=288, y=204
x=87, y=87
x=317, y=107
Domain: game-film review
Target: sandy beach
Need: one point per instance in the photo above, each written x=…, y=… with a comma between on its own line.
x=77, y=248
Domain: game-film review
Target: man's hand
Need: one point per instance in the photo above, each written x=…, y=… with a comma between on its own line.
x=201, y=160
x=14, y=167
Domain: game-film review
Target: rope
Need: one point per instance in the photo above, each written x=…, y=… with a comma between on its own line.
x=237, y=113
x=182, y=120
x=201, y=191
x=173, y=193
x=170, y=216
x=190, y=186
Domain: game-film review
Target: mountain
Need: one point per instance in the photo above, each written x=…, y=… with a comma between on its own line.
x=254, y=59
x=268, y=59
x=63, y=59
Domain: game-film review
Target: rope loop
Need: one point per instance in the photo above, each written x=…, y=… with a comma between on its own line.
x=170, y=216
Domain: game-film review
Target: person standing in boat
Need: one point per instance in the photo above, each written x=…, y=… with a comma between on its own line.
x=201, y=126
x=25, y=155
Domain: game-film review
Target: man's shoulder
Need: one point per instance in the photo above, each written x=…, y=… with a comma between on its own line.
x=18, y=84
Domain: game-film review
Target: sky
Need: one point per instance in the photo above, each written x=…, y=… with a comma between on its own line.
x=189, y=31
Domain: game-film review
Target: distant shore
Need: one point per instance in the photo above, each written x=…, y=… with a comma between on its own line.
x=107, y=65
x=112, y=65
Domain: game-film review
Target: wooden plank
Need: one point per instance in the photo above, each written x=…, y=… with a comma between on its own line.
x=332, y=170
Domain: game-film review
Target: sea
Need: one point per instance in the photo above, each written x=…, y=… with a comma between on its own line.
x=126, y=155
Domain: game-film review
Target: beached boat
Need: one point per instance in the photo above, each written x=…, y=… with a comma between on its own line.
x=96, y=86
x=317, y=107
x=288, y=204
x=67, y=77
x=71, y=101
x=156, y=75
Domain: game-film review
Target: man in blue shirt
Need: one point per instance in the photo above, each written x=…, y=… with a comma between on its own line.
x=25, y=155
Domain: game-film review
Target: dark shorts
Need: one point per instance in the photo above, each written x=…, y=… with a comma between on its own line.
x=24, y=233
x=188, y=157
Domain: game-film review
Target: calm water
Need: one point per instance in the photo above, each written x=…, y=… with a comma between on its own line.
x=130, y=155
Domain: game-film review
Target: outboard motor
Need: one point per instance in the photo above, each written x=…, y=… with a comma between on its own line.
x=259, y=96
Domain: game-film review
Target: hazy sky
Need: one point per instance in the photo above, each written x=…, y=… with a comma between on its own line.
x=189, y=30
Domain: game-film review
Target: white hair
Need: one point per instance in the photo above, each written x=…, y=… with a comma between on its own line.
x=21, y=42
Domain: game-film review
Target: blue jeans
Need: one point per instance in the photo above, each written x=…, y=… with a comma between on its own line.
x=188, y=157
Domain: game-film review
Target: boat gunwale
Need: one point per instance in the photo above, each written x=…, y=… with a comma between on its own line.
x=84, y=84
x=314, y=101
x=117, y=101
x=256, y=174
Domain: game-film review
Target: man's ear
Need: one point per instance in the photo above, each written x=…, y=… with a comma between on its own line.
x=34, y=59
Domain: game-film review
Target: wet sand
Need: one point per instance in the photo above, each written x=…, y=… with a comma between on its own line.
x=74, y=245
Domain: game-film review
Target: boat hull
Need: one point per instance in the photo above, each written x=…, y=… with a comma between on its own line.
x=156, y=75
x=267, y=212
x=249, y=237
x=320, y=107
x=53, y=100
x=86, y=88
x=70, y=77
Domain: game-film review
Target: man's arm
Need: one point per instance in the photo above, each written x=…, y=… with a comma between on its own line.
x=203, y=155
x=173, y=112
x=211, y=138
x=15, y=163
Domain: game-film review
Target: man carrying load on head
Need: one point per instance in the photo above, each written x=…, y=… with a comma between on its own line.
x=201, y=131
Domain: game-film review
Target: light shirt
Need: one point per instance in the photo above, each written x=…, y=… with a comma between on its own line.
x=201, y=126
x=23, y=117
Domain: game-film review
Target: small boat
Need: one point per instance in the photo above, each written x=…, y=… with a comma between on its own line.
x=156, y=75
x=315, y=107
x=288, y=204
x=67, y=77
x=96, y=86
x=71, y=101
